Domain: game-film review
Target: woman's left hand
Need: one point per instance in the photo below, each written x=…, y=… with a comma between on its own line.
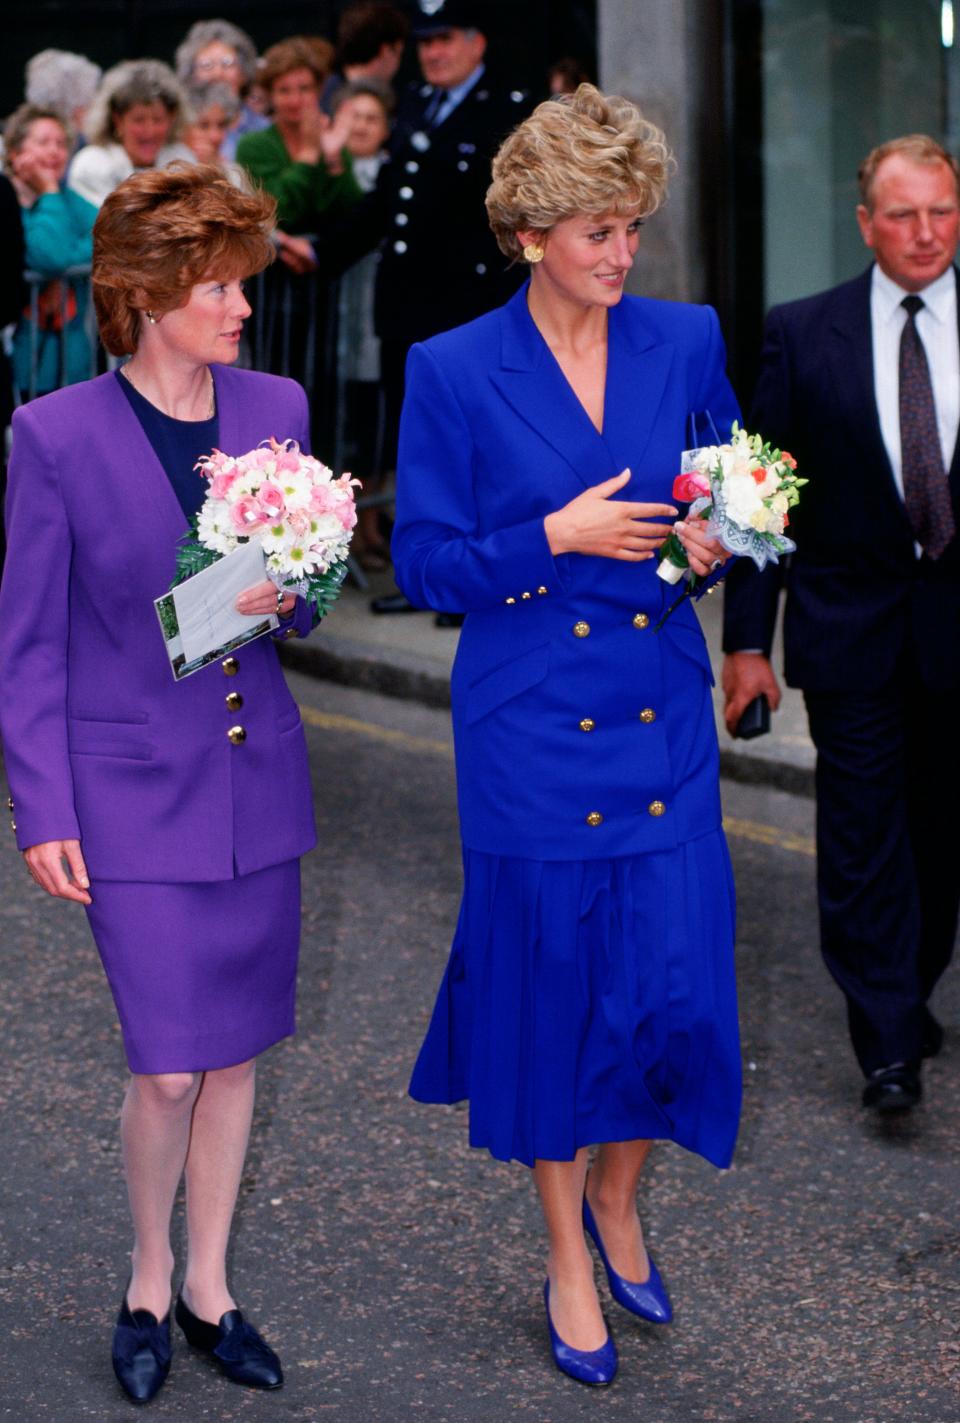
x=704, y=553
x=261, y=600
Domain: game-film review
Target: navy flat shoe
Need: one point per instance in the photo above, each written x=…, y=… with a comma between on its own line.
x=648, y=1300
x=141, y=1352
x=243, y=1355
x=592, y=1366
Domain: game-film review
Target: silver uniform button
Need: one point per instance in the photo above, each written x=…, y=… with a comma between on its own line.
x=400, y=247
x=401, y=219
x=412, y=166
x=463, y=165
x=516, y=95
x=419, y=141
x=406, y=193
x=481, y=269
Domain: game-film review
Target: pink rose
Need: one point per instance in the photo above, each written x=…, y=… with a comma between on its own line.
x=271, y=500
x=248, y=516
x=221, y=483
x=690, y=486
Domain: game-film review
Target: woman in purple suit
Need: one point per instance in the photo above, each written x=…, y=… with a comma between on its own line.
x=176, y=812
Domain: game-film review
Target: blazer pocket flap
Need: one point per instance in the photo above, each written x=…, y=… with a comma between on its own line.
x=507, y=680
x=127, y=739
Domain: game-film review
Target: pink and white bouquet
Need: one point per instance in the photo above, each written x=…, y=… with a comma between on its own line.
x=744, y=491
x=288, y=502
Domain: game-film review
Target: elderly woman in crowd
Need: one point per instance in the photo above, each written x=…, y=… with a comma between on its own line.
x=133, y=123
x=217, y=52
x=589, y=999
x=58, y=233
x=135, y=794
x=67, y=83
x=212, y=108
x=301, y=159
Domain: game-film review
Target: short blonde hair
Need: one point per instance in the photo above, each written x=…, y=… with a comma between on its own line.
x=578, y=153
x=162, y=231
x=917, y=147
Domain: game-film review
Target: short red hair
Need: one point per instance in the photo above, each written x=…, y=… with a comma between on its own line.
x=162, y=231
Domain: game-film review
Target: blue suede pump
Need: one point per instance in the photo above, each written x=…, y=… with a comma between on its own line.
x=648, y=1300
x=594, y=1366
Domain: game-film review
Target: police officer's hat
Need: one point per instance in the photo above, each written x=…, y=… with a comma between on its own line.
x=430, y=17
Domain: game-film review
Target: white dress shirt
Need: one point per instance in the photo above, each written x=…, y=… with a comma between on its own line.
x=937, y=328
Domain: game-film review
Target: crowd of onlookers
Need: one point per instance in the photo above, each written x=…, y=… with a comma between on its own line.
x=309, y=120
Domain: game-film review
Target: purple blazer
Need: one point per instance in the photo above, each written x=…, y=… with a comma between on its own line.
x=100, y=743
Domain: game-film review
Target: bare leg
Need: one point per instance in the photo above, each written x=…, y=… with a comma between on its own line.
x=612, y=1194
x=155, y=1133
x=218, y=1145
x=574, y=1306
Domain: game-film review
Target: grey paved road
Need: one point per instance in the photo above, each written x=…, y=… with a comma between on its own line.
x=399, y=1273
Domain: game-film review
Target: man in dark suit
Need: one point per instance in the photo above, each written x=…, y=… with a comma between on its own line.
x=439, y=263
x=862, y=385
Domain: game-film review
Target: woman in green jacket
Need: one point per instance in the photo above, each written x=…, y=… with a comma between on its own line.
x=301, y=160
x=58, y=233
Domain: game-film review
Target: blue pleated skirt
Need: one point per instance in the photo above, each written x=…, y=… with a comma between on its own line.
x=591, y=1001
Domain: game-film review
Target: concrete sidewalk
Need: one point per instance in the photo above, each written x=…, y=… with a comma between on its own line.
x=405, y=655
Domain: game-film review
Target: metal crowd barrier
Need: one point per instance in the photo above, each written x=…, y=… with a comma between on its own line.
x=73, y=282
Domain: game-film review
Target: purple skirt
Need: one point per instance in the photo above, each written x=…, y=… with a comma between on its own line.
x=203, y=975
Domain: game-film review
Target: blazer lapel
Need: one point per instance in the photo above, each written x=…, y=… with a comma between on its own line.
x=638, y=367
x=954, y=471
x=532, y=383
x=852, y=358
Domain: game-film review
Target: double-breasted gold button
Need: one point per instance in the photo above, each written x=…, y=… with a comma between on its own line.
x=230, y=666
x=640, y=620
x=581, y=629
x=234, y=701
x=587, y=724
x=237, y=734
x=510, y=601
x=648, y=715
x=656, y=807
x=541, y=590
x=10, y=803
x=594, y=818
x=525, y=596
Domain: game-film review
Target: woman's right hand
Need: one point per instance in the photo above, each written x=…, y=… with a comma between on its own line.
x=596, y=523
x=45, y=863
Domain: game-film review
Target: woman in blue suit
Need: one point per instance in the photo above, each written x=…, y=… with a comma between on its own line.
x=589, y=997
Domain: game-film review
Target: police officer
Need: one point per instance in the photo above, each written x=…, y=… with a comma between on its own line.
x=439, y=264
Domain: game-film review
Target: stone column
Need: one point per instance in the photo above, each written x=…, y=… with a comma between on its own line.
x=651, y=52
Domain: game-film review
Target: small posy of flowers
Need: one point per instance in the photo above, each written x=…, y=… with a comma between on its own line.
x=290, y=503
x=744, y=491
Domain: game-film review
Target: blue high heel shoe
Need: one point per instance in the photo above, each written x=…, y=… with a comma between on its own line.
x=648, y=1300
x=593, y=1366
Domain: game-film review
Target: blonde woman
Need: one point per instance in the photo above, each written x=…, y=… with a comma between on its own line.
x=589, y=999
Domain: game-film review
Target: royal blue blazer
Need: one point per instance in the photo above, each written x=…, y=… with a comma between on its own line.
x=580, y=732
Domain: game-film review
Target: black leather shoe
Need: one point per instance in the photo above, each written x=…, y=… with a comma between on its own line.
x=932, y=1039
x=236, y=1346
x=392, y=603
x=449, y=620
x=893, y=1089
x=141, y=1352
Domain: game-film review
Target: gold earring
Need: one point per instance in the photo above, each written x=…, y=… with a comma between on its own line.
x=533, y=253
x=151, y=318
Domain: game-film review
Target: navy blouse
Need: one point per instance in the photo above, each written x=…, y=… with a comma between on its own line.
x=177, y=445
